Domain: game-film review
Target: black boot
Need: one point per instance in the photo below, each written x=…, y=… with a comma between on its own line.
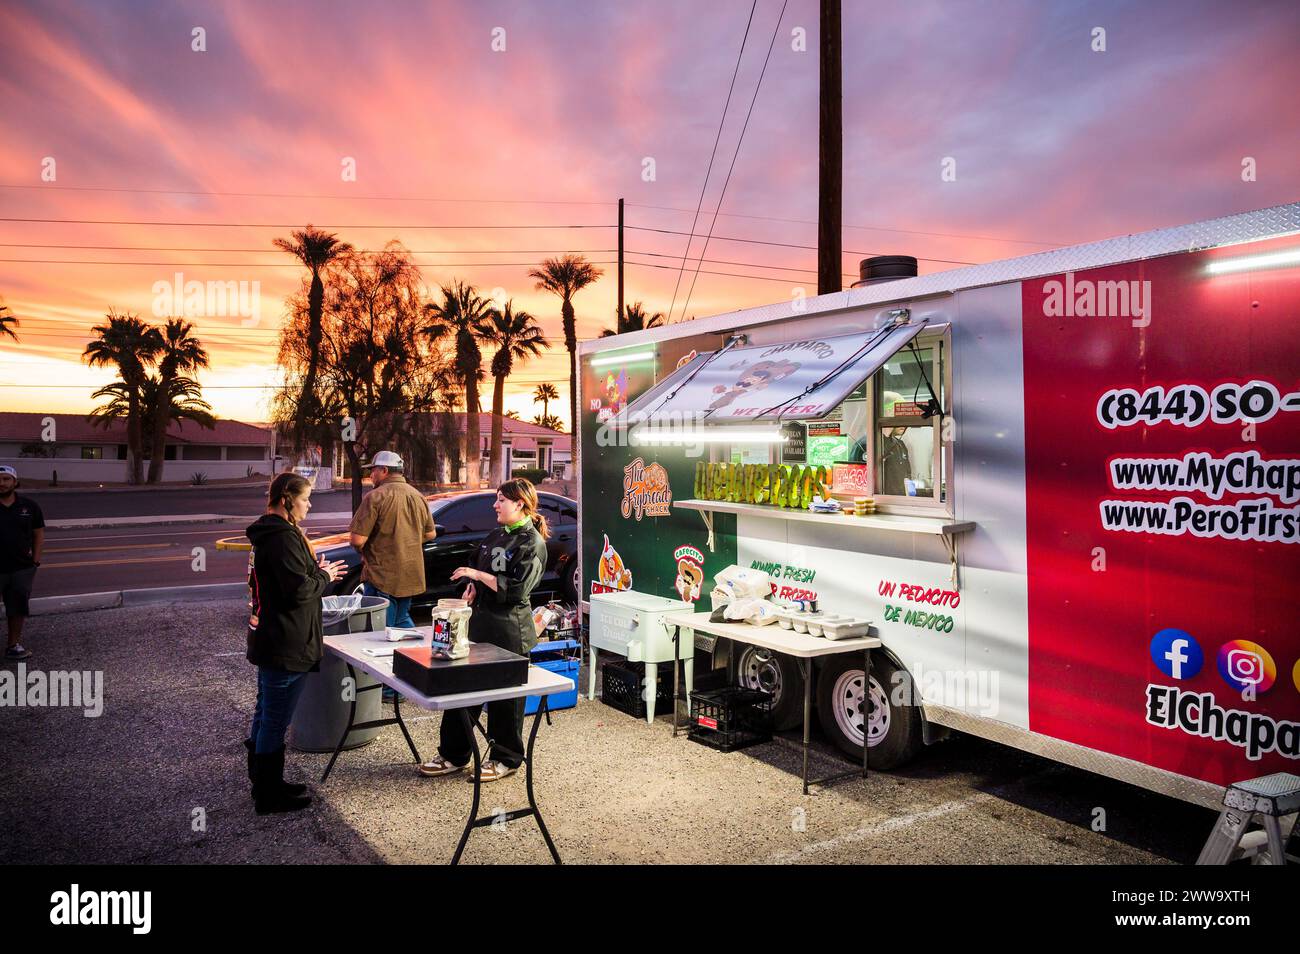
x=291, y=788
x=269, y=795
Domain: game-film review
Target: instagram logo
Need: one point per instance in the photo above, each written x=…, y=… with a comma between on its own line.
x=1244, y=664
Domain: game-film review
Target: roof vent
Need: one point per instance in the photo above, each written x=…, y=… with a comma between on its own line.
x=885, y=268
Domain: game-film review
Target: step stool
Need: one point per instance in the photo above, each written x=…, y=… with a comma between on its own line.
x=1275, y=799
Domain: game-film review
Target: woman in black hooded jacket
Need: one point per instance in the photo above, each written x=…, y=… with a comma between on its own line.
x=285, y=585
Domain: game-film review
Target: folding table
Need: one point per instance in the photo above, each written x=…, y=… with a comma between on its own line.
x=802, y=647
x=352, y=649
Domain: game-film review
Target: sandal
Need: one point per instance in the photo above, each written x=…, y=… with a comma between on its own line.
x=494, y=771
x=439, y=766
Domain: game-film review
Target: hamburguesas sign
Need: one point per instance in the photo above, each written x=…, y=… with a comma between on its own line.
x=776, y=484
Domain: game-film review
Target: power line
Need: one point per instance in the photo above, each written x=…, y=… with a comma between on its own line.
x=364, y=251
x=863, y=228
x=302, y=195
x=722, y=121
x=729, y=238
x=477, y=201
x=724, y=261
x=53, y=261
x=757, y=278
x=736, y=155
x=292, y=225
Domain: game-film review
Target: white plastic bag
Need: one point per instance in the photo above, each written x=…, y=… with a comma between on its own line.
x=743, y=581
x=750, y=609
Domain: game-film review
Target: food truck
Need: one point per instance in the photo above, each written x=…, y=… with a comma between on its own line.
x=1083, y=469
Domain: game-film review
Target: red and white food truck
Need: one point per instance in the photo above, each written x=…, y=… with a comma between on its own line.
x=1085, y=465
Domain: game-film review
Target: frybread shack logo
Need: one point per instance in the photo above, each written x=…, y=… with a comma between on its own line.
x=645, y=490
x=1085, y=298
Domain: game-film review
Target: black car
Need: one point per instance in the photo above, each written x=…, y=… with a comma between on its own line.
x=462, y=522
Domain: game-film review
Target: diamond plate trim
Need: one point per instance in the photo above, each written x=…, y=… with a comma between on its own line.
x=1214, y=233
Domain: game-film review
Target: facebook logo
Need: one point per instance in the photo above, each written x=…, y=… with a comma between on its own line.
x=1176, y=654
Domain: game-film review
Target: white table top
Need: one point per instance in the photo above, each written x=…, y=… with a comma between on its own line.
x=541, y=682
x=771, y=636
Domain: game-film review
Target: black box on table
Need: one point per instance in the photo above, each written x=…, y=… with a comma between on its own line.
x=486, y=667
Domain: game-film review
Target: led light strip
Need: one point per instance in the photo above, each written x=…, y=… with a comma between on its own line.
x=1248, y=262
x=633, y=358
x=720, y=435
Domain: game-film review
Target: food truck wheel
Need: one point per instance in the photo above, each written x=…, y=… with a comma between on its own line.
x=895, y=729
x=758, y=668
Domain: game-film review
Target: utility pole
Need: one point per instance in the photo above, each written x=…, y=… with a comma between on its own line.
x=830, y=162
x=619, y=325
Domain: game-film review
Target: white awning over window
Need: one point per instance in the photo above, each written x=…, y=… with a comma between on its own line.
x=788, y=381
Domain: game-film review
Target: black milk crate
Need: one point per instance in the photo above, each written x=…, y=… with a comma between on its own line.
x=622, y=686
x=731, y=718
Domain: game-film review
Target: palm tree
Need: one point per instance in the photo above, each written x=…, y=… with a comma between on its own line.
x=517, y=337
x=315, y=248
x=178, y=400
x=8, y=322
x=513, y=415
x=181, y=354
x=466, y=315
x=566, y=277
x=545, y=394
x=635, y=319
x=548, y=420
x=131, y=346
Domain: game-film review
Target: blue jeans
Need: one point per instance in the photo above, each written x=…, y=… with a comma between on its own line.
x=399, y=608
x=277, y=696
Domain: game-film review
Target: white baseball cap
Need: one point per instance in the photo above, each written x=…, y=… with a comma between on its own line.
x=6, y=469
x=384, y=459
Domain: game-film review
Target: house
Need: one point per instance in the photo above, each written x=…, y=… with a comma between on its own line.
x=523, y=445
x=38, y=445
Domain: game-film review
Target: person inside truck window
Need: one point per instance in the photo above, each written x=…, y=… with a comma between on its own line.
x=895, y=463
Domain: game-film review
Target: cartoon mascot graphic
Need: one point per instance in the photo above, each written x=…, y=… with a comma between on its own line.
x=613, y=398
x=611, y=571
x=690, y=573
x=753, y=378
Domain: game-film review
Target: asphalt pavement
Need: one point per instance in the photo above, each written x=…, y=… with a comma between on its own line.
x=159, y=777
x=157, y=502
x=140, y=556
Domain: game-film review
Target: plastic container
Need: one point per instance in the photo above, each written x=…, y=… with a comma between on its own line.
x=563, y=657
x=848, y=628
x=622, y=687
x=731, y=718
x=322, y=713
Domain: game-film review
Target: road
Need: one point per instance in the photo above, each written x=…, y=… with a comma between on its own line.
x=134, y=557
x=249, y=499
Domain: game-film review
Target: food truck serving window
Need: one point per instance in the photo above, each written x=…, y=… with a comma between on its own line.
x=783, y=381
x=898, y=432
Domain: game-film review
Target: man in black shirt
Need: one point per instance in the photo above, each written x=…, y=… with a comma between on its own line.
x=22, y=536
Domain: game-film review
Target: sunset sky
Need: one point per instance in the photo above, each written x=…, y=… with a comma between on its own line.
x=458, y=145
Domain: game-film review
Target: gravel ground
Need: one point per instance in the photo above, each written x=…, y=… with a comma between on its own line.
x=159, y=778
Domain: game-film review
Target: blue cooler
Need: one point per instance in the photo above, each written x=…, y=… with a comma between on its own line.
x=561, y=656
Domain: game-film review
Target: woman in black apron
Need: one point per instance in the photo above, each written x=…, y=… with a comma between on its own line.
x=509, y=563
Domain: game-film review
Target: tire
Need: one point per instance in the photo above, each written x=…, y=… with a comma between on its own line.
x=569, y=582
x=895, y=729
x=778, y=674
